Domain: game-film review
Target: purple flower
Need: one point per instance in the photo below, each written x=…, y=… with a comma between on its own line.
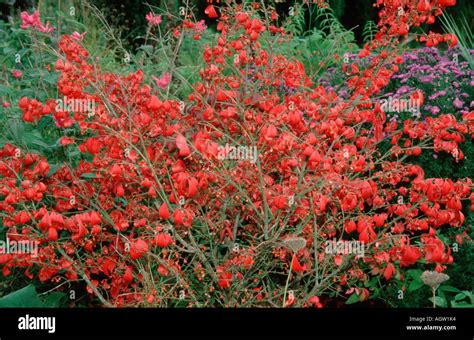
x=426, y=79
x=435, y=95
x=404, y=89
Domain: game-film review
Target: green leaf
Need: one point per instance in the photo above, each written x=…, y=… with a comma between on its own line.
x=17, y=130
x=23, y=298
x=460, y=296
x=8, y=50
x=34, y=138
x=53, y=168
x=438, y=301
x=88, y=175
x=414, y=273
x=28, y=92
x=54, y=299
x=73, y=152
x=462, y=304
x=372, y=282
x=353, y=299
x=414, y=285
x=50, y=78
x=441, y=294
x=4, y=91
x=449, y=289
x=147, y=49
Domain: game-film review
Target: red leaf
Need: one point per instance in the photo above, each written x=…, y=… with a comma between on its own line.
x=164, y=211
x=296, y=265
x=163, y=240
x=211, y=12
x=52, y=234
x=138, y=248
x=388, y=272
x=182, y=146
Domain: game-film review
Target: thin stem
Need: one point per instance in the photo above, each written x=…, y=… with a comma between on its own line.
x=288, y=280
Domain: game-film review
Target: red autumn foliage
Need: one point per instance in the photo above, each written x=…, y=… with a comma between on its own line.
x=314, y=149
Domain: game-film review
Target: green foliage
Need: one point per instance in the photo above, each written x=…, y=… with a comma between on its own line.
x=462, y=270
x=369, y=31
x=339, y=7
x=354, y=298
x=464, y=33
x=445, y=166
x=316, y=48
x=329, y=23
x=464, y=299
x=295, y=22
x=27, y=297
x=449, y=296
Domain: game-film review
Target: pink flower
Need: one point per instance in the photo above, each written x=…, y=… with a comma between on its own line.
x=45, y=29
x=200, y=26
x=435, y=110
x=162, y=82
x=30, y=20
x=17, y=74
x=77, y=36
x=153, y=20
x=34, y=21
x=457, y=103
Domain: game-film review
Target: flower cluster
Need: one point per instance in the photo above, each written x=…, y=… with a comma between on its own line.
x=153, y=20
x=445, y=76
x=34, y=21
